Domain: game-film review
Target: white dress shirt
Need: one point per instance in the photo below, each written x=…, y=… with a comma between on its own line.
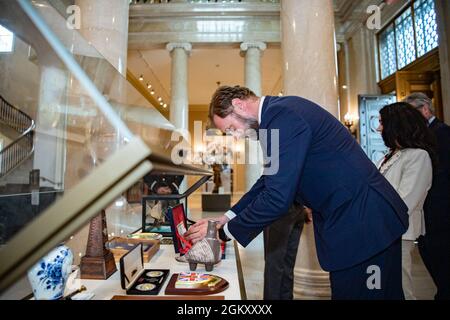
x=431, y=120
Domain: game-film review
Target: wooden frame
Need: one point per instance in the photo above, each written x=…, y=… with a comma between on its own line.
x=146, y=254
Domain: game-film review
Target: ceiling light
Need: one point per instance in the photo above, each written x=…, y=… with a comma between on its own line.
x=149, y=86
x=165, y=105
x=152, y=92
x=141, y=78
x=159, y=99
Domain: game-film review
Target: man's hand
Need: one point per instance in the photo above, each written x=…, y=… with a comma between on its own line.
x=198, y=231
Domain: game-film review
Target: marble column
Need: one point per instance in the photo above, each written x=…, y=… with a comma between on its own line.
x=442, y=15
x=310, y=71
x=179, y=101
x=104, y=23
x=252, y=51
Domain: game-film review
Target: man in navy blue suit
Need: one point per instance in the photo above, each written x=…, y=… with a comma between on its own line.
x=358, y=217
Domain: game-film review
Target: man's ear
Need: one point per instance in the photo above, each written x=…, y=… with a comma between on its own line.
x=237, y=103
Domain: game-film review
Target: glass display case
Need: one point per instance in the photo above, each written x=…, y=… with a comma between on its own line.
x=80, y=134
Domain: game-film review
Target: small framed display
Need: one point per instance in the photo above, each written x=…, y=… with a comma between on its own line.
x=135, y=279
x=120, y=246
x=178, y=224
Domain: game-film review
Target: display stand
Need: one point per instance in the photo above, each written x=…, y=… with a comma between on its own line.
x=157, y=197
x=98, y=263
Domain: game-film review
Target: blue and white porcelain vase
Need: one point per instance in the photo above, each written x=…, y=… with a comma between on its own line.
x=48, y=277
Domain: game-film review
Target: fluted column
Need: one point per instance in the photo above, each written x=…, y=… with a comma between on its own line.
x=253, y=52
x=104, y=23
x=310, y=71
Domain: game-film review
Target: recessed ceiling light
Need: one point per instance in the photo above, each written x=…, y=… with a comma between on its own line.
x=159, y=99
x=149, y=86
x=141, y=78
x=152, y=92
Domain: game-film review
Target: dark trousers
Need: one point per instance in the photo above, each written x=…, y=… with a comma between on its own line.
x=379, y=278
x=435, y=252
x=281, y=240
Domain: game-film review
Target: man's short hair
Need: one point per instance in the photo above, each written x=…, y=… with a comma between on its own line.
x=221, y=102
x=419, y=100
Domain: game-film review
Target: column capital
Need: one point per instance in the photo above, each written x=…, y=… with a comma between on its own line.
x=258, y=45
x=183, y=45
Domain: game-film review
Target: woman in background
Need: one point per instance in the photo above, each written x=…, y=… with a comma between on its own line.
x=409, y=168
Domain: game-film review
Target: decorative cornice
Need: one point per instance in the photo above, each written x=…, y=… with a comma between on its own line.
x=188, y=9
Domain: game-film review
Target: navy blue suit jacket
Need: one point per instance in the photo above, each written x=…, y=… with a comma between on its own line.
x=437, y=204
x=357, y=213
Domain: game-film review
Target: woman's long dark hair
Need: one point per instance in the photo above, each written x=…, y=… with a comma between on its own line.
x=405, y=127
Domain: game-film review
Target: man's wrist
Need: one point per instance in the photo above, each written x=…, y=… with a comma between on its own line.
x=222, y=220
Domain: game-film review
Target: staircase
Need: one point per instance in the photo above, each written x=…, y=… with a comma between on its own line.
x=22, y=147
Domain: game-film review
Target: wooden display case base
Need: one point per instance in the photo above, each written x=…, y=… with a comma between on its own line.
x=97, y=268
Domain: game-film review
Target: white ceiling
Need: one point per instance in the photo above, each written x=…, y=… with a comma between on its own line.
x=207, y=66
x=210, y=64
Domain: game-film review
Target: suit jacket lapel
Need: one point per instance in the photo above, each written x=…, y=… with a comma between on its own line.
x=434, y=124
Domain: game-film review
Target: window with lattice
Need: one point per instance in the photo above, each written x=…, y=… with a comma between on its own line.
x=411, y=35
